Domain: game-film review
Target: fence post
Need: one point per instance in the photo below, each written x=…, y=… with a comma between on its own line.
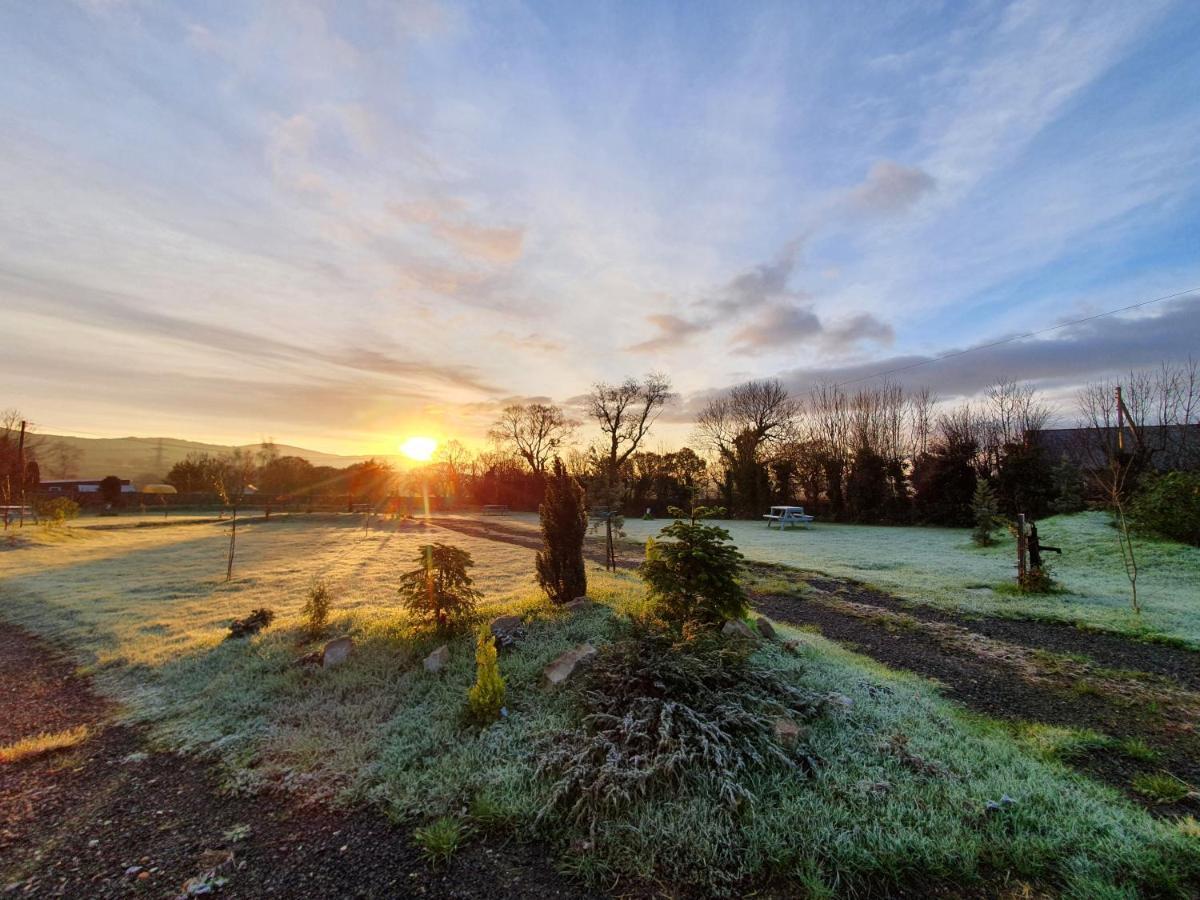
x=1021, y=548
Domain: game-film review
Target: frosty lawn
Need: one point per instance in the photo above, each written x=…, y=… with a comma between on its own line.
x=147, y=610
x=941, y=567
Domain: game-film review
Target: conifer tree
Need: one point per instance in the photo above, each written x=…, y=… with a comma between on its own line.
x=560, y=568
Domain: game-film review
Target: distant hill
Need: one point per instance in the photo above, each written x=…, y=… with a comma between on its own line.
x=142, y=459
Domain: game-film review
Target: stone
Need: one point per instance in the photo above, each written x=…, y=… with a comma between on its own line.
x=793, y=645
x=737, y=628
x=579, y=603
x=336, y=652
x=507, y=630
x=766, y=629
x=437, y=659
x=787, y=732
x=563, y=667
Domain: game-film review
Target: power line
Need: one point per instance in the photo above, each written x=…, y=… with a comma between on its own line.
x=1018, y=337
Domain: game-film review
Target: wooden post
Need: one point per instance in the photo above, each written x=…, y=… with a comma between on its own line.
x=1021, y=548
x=1120, y=422
x=21, y=471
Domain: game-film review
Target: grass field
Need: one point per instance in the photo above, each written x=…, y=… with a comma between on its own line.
x=146, y=610
x=941, y=567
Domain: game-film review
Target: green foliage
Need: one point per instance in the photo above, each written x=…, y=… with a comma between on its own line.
x=658, y=714
x=692, y=575
x=439, y=589
x=985, y=509
x=316, y=608
x=1068, y=488
x=486, y=697
x=1169, y=506
x=440, y=839
x=944, y=483
x=55, y=513
x=560, y=569
x=1025, y=482
x=1161, y=787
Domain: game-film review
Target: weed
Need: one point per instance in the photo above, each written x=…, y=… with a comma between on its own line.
x=1060, y=743
x=1189, y=826
x=488, y=814
x=440, y=839
x=1161, y=787
x=28, y=748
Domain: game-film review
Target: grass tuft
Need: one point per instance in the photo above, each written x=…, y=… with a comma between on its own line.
x=440, y=839
x=1161, y=787
x=28, y=748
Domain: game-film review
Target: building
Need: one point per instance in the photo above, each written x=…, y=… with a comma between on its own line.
x=74, y=487
x=1169, y=447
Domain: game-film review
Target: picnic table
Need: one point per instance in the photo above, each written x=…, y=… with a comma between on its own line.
x=787, y=516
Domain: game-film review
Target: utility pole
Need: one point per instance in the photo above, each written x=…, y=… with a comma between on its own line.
x=21, y=471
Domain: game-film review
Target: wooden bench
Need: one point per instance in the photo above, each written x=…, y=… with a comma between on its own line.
x=788, y=516
x=494, y=509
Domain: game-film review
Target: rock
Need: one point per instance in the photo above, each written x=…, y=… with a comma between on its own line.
x=507, y=630
x=562, y=668
x=579, y=603
x=766, y=629
x=133, y=871
x=787, y=732
x=437, y=659
x=737, y=628
x=793, y=645
x=336, y=652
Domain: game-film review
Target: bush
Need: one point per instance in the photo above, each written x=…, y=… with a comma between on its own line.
x=440, y=588
x=1169, y=506
x=486, y=697
x=693, y=575
x=944, y=482
x=560, y=570
x=252, y=624
x=54, y=513
x=316, y=608
x=985, y=509
x=659, y=714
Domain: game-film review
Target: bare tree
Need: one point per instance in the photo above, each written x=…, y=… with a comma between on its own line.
x=233, y=478
x=535, y=431
x=625, y=413
x=744, y=427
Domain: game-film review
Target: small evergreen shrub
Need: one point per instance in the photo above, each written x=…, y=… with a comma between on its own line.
x=985, y=510
x=486, y=697
x=1169, y=506
x=659, y=714
x=560, y=569
x=439, y=589
x=692, y=575
x=316, y=608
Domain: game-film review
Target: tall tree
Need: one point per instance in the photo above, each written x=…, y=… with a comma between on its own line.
x=625, y=412
x=534, y=431
x=744, y=427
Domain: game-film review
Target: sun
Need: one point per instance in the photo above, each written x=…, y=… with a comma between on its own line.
x=419, y=448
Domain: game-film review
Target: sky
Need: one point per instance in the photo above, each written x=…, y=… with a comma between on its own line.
x=339, y=224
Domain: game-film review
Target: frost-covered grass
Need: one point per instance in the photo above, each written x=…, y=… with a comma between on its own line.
x=147, y=609
x=941, y=567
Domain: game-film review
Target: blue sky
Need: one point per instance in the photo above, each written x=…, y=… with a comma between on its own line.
x=338, y=223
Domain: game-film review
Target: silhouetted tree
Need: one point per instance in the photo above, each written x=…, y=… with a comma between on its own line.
x=534, y=431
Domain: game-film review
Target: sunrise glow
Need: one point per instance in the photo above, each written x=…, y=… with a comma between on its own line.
x=419, y=448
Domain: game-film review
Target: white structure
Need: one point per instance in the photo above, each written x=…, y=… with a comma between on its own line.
x=787, y=516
